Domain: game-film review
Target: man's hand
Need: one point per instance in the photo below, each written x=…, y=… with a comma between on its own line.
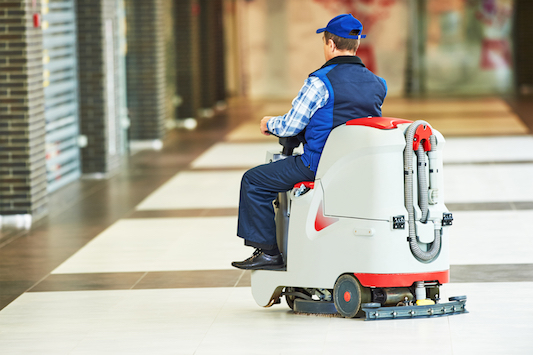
x=263, y=125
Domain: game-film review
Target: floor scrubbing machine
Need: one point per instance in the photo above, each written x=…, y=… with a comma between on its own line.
x=368, y=237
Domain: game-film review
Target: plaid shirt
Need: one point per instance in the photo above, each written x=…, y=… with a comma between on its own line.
x=312, y=96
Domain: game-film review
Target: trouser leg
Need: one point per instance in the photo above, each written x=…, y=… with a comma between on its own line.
x=259, y=188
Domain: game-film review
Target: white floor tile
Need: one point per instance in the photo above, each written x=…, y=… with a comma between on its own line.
x=488, y=183
x=160, y=244
x=227, y=321
x=491, y=237
x=499, y=322
x=229, y=155
x=488, y=149
x=115, y=322
x=196, y=189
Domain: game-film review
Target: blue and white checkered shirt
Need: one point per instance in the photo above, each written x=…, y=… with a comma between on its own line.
x=312, y=96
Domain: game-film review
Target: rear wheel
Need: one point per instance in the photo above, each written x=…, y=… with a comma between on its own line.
x=347, y=295
x=290, y=298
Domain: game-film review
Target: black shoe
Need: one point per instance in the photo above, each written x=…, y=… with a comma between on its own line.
x=261, y=261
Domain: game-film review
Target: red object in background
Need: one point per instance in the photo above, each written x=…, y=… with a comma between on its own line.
x=495, y=47
x=36, y=20
x=366, y=53
x=195, y=10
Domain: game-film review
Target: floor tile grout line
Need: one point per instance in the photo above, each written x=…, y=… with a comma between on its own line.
x=139, y=280
x=239, y=279
x=37, y=283
x=213, y=322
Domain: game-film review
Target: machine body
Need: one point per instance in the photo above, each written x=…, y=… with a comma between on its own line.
x=350, y=240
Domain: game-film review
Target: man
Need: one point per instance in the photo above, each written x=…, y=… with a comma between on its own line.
x=343, y=89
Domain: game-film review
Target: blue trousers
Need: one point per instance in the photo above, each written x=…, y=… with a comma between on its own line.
x=259, y=188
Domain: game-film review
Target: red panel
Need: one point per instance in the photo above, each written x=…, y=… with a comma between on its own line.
x=401, y=280
x=308, y=184
x=422, y=135
x=377, y=122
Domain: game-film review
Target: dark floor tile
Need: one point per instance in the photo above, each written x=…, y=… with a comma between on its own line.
x=223, y=168
x=523, y=107
x=167, y=213
x=480, y=206
x=5, y=300
x=199, y=212
x=13, y=287
x=10, y=290
x=526, y=205
x=491, y=273
x=490, y=206
x=246, y=280
x=495, y=162
x=82, y=282
x=9, y=234
x=190, y=279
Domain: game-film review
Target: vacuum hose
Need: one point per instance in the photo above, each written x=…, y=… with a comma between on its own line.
x=425, y=256
x=422, y=183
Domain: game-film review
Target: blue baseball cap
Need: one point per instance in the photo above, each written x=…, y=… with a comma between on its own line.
x=342, y=25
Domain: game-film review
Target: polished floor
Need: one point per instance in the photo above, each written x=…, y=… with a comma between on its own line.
x=140, y=263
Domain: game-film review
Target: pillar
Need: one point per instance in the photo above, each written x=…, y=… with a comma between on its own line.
x=22, y=123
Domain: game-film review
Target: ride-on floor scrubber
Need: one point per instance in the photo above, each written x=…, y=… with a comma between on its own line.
x=370, y=234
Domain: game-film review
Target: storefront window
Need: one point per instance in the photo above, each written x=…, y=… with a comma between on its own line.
x=468, y=46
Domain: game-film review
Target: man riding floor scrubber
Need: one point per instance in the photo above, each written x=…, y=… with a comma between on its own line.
x=370, y=233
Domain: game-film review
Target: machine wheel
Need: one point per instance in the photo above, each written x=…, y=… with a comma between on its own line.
x=290, y=299
x=347, y=296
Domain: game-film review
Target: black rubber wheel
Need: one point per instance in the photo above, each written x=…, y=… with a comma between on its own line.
x=347, y=296
x=290, y=299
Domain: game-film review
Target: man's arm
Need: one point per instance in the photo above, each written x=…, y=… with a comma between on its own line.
x=312, y=96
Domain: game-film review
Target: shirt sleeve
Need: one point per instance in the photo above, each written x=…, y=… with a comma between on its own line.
x=312, y=96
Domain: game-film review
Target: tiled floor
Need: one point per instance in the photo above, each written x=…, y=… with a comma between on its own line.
x=140, y=263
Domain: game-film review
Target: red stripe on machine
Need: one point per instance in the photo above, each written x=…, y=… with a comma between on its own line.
x=377, y=122
x=308, y=184
x=322, y=221
x=401, y=280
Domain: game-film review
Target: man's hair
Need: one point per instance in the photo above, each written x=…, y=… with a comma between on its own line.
x=342, y=43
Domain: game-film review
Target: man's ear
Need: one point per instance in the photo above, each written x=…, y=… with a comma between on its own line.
x=332, y=46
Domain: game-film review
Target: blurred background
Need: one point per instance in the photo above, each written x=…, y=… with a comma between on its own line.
x=86, y=83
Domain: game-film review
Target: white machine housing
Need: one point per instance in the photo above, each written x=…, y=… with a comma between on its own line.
x=345, y=224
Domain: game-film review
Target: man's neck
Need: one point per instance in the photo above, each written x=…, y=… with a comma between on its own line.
x=346, y=59
x=343, y=53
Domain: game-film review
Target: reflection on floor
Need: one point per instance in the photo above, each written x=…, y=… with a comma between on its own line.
x=140, y=263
